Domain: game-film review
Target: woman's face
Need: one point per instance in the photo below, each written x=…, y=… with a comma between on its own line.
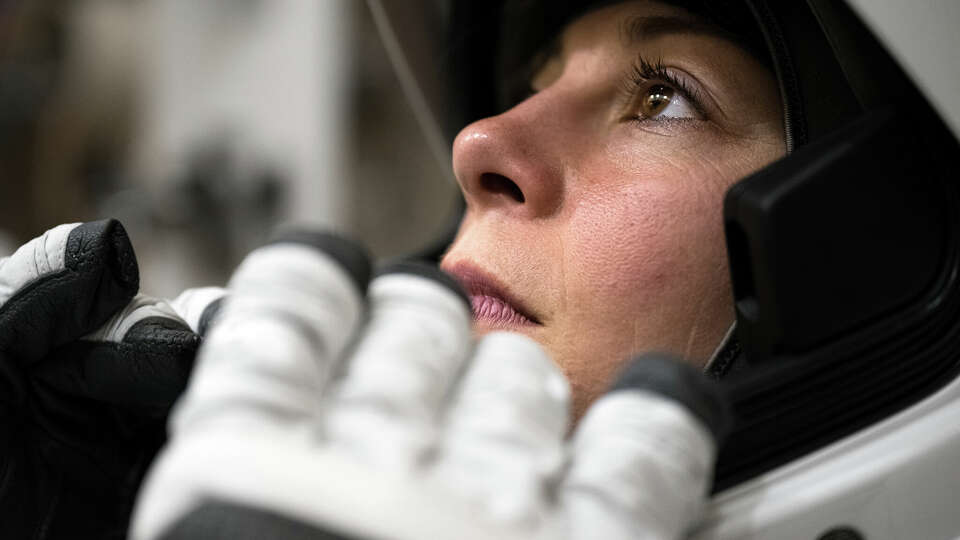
x=594, y=206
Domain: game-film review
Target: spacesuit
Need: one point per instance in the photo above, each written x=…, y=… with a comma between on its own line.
x=844, y=352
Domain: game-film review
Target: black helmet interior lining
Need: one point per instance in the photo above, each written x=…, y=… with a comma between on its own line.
x=844, y=255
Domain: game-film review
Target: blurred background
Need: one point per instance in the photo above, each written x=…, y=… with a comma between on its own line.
x=203, y=124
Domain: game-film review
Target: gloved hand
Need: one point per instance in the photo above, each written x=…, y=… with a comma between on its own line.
x=88, y=372
x=319, y=410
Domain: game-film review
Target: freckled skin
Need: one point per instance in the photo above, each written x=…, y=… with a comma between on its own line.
x=618, y=244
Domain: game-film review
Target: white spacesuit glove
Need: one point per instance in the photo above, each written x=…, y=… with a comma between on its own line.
x=319, y=410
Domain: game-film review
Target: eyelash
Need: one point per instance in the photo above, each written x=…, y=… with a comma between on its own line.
x=645, y=72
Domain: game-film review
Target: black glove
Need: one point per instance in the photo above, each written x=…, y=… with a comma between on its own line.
x=88, y=373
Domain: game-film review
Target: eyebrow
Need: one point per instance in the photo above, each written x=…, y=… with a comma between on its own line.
x=638, y=29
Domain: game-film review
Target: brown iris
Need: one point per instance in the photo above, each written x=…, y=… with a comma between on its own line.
x=655, y=100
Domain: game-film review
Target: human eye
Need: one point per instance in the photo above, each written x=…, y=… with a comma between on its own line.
x=658, y=94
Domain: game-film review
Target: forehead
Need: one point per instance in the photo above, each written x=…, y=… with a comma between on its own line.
x=535, y=35
x=626, y=19
x=533, y=32
x=638, y=22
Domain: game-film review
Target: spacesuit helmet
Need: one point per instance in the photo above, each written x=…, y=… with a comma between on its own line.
x=844, y=253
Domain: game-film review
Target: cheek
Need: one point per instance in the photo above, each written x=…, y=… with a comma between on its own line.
x=645, y=260
x=641, y=244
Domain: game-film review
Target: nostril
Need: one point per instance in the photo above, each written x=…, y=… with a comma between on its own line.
x=494, y=183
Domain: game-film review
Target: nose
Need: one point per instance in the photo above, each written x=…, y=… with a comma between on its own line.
x=510, y=162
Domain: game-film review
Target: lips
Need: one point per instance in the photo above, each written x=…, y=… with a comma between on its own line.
x=492, y=301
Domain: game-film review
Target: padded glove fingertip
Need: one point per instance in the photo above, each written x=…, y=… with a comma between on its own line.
x=425, y=270
x=349, y=254
x=674, y=379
